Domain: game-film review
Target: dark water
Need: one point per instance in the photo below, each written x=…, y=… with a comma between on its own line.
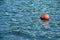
x=19, y=20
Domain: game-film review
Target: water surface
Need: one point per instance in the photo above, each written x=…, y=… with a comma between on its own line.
x=19, y=20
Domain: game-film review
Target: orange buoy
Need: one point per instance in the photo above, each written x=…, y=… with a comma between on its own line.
x=45, y=17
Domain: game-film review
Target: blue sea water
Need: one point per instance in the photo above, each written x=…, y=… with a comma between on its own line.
x=20, y=20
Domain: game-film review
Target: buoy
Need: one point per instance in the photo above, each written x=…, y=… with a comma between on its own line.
x=45, y=17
